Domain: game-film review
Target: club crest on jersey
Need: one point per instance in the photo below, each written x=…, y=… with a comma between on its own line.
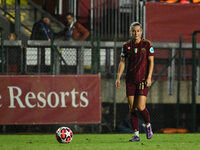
x=151, y=50
x=135, y=50
x=129, y=48
x=143, y=50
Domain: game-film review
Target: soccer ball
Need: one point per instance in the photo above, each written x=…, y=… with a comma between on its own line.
x=64, y=135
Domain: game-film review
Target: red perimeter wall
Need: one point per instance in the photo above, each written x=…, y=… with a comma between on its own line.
x=166, y=22
x=46, y=99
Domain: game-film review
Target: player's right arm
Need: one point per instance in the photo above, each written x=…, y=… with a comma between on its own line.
x=120, y=71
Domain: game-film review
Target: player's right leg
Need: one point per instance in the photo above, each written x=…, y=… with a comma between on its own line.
x=133, y=119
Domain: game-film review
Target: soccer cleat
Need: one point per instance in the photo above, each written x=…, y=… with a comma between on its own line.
x=149, y=133
x=135, y=139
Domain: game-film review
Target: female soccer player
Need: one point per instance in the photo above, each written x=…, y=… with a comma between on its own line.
x=139, y=54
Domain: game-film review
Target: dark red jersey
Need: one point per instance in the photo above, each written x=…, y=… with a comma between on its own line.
x=137, y=57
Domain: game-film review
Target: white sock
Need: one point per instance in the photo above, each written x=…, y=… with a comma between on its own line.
x=148, y=125
x=136, y=133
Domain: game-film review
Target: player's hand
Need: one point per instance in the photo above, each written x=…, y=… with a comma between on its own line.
x=117, y=83
x=148, y=82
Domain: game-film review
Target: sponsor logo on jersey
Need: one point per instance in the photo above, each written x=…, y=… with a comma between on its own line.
x=151, y=50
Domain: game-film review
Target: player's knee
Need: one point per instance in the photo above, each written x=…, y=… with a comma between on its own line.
x=130, y=109
x=141, y=107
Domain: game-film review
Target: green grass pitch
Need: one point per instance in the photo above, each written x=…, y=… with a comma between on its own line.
x=100, y=142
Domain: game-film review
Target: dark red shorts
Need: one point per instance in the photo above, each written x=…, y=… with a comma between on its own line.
x=133, y=89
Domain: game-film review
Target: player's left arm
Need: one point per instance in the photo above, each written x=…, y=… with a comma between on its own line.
x=150, y=70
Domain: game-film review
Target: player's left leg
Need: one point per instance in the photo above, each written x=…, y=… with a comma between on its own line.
x=141, y=105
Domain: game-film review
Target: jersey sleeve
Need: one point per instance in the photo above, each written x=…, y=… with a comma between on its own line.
x=150, y=51
x=123, y=52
